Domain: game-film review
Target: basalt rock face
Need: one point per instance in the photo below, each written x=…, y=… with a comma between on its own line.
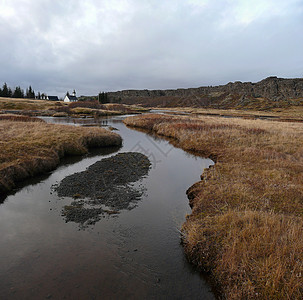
x=271, y=87
x=237, y=93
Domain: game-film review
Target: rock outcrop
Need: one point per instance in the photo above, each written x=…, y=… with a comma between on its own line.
x=271, y=89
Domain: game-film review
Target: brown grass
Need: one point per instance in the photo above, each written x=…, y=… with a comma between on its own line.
x=26, y=104
x=60, y=109
x=124, y=108
x=246, y=221
x=29, y=148
x=87, y=104
x=94, y=112
x=19, y=118
x=291, y=113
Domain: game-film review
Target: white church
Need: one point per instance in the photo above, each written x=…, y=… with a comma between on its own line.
x=70, y=98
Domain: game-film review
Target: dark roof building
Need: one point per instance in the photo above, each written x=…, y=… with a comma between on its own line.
x=52, y=98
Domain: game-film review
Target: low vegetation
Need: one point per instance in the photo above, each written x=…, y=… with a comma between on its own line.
x=30, y=146
x=93, y=112
x=291, y=113
x=98, y=109
x=246, y=224
x=89, y=108
x=125, y=108
x=19, y=118
x=26, y=104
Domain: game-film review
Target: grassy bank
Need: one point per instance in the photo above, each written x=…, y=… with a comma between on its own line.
x=246, y=224
x=26, y=104
x=291, y=113
x=29, y=146
x=33, y=107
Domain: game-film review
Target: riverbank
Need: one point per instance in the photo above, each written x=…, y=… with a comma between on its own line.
x=246, y=222
x=29, y=146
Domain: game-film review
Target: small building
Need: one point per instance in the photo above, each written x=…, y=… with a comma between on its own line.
x=70, y=98
x=52, y=98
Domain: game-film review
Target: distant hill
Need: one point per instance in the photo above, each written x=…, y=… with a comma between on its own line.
x=268, y=93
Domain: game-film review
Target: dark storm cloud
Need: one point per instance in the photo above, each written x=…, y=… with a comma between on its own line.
x=95, y=45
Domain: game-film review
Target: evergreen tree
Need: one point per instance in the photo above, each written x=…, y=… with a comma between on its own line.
x=30, y=93
x=102, y=97
x=39, y=95
x=18, y=93
x=10, y=92
x=5, y=92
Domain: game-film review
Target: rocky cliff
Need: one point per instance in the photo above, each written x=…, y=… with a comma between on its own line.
x=271, y=91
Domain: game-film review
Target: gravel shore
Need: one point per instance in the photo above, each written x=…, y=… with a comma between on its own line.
x=106, y=187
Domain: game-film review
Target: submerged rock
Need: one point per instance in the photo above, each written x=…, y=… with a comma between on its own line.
x=107, y=183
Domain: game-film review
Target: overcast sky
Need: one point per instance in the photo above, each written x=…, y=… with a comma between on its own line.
x=109, y=45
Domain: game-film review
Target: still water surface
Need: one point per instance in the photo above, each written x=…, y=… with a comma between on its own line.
x=134, y=255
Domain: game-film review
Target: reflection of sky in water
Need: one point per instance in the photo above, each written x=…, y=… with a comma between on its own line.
x=137, y=254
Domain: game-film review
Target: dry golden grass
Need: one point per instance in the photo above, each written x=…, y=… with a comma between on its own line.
x=94, y=112
x=19, y=118
x=246, y=221
x=61, y=109
x=96, y=109
x=254, y=254
x=29, y=148
x=288, y=113
x=25, y=104
x=125, y=108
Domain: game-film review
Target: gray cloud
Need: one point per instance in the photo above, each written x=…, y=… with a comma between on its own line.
x=106, y=45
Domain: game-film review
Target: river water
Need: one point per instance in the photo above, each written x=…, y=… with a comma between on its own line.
x=133, y=255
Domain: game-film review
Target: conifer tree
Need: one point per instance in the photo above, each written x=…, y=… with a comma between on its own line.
x=102, y=97
x=10, y=92
x=5, y=92
x=30, y=93
x=18, y=92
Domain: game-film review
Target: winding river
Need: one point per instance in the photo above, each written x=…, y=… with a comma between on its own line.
x=133, y=255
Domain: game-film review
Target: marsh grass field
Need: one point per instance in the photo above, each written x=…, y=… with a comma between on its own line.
x=26, y=104
x=29, y=146
x=284, y=114
x=35, y=107
x=245, y=228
